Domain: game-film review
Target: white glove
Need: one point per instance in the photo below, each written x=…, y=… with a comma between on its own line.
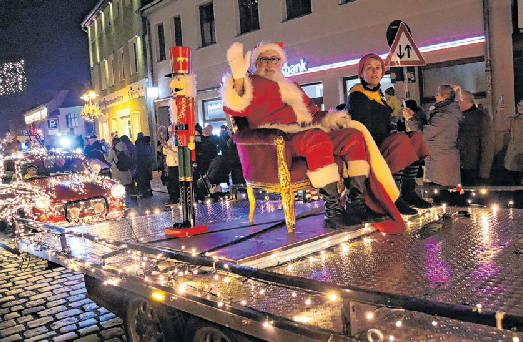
x=238, y=63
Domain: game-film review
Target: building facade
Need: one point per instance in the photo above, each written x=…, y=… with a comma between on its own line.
x=57, y=118
x=466, y=42
x=118, y=67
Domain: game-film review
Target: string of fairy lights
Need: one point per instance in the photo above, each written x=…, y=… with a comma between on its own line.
x=12, y=77
x=167, y=279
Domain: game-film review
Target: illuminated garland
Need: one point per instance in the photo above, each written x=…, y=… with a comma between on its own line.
x=19, y=196
x=12, y=77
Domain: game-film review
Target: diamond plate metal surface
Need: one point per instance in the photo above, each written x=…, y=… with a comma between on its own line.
x=444, y=256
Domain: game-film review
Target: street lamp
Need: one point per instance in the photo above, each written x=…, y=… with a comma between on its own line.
x=91, y=111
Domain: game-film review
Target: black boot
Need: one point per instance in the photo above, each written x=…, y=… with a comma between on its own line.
x=356, y=208
x=334, y=214
x=408, y=188
x=402, y=206
x=408, y=193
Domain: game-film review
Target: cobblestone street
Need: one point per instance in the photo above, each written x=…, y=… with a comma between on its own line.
x=39, y=304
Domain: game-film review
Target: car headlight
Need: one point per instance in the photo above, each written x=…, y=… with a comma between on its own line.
x=118, y=191
x=42, y=202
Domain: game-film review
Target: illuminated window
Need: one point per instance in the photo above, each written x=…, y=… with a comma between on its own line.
x=207, y=24
x=249, y=19
x=72, y=120
x=213, y=113
x=315, y=93
x=298, y=8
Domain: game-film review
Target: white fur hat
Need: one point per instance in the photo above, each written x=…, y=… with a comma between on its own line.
x=262, y=47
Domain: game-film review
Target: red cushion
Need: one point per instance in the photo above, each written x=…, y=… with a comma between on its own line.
x=257, y=151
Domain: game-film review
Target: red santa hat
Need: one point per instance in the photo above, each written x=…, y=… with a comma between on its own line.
x=365, y=58
x=262, y=47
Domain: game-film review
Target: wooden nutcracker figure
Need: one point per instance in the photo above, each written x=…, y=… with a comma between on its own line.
x=183, y=87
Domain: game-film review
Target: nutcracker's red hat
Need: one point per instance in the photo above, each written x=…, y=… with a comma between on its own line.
x=365, y=58
x=262, y=47
x=180, y=60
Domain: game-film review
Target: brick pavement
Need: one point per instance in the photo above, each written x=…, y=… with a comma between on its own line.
x=39, y=304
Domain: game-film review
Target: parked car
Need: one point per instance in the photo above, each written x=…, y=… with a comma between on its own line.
x=57, y=187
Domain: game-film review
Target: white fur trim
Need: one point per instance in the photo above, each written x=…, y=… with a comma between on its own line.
x=334, y=120
x=173, y=110
x=293, y=96
x=356, y=168
x=323, y=176
x=377, y=162
x=230, y=96
x=191, y=85
x=262, y=47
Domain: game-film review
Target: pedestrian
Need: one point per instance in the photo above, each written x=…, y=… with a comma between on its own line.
x=441, y=135
x=414, y=115
x=124, y=177
x=206, y=150
x=514, y=155
x=160, y=157
x=403, y=152
x=396, y=118
x=170, y=151
x=144, y=169
x=475, y=142
x=266, y=99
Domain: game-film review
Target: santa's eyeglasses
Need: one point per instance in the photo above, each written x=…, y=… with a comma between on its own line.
x=272, y=60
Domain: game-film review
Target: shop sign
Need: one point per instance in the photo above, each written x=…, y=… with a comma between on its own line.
x=299, y=67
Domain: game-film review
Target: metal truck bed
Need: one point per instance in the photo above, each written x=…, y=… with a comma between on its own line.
x=454, y=275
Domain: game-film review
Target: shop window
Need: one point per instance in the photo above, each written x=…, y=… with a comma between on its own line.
x=249, y=18
x=315, y=92
x=214, y=114
x=469, y=76
x=177, y=31
x=298, y=8
x=161, y=42
x=207, y=24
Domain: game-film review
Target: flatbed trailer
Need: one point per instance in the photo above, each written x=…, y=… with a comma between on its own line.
x=455, y=274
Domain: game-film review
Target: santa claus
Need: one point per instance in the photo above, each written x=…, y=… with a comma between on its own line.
x=268, y=100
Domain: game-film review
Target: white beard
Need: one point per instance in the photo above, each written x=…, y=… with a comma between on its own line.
x=276, y=76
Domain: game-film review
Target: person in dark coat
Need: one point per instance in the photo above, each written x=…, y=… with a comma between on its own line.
x=403, y=152
x=144, y=169
x=206, y=151
x=475, y=142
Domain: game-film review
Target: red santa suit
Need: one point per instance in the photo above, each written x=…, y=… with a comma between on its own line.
x=317, y=136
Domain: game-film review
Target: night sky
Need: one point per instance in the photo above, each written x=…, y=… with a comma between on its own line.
x=48, y=36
